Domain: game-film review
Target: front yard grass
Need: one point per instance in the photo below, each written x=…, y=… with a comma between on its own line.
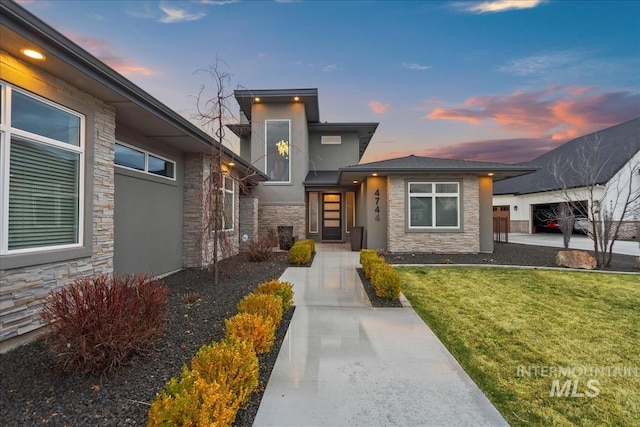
x=503, y=324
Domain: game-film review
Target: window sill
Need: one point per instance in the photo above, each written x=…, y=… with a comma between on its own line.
x=11, y=261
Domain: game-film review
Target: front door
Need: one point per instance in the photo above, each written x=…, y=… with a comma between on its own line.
x=331, y=216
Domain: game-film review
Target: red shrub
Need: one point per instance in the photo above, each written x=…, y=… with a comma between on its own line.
x=97, y=323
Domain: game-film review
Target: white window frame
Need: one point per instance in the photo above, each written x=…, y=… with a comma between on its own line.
x=6, y=133
x=266, y=152
x=226, y=191
x=146, y=161
x=433, y=195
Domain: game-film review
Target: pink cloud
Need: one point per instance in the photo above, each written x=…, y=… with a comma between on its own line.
x=107, y=54
x=561, y=112
x=379, y=107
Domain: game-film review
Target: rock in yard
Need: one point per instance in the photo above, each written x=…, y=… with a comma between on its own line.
x=576, y=259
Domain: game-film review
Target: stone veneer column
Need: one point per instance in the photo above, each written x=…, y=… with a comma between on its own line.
x=272, y=216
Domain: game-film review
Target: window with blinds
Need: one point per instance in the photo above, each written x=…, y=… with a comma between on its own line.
x=43, y=150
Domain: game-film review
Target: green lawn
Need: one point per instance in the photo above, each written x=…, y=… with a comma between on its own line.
x=496, y=321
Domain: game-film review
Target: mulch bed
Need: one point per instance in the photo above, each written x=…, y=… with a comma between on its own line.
x=374, y=299
x=33, y=391
x=506, y=254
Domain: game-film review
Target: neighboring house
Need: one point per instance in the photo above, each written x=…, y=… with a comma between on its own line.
x=96, y=175
x=410, y=204
x=530, y=201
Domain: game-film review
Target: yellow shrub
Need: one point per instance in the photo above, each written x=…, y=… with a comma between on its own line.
x=230, y=362
x=258, y=330
x=282, y=289
x=191, y=401
x=309, y=242
x=386, y=282
x=300, y=254
x=265, y=305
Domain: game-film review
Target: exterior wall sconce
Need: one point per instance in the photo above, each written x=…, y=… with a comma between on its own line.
x=515, y=208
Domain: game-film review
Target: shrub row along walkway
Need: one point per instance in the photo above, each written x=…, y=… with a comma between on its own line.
x=344, y=363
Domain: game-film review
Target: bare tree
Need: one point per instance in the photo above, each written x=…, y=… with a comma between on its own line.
x=214, y=113
x=609, y=204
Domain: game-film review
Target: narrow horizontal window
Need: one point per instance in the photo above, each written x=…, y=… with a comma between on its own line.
x=143, y=161
x=331, y=140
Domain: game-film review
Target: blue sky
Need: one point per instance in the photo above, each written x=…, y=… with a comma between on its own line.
x=502, y=80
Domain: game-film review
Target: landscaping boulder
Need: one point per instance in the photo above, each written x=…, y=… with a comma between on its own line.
x=576, y=259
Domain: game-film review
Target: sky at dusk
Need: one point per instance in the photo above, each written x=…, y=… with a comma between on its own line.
x=503, y=80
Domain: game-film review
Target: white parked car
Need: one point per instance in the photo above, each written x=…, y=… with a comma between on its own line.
x=581, y=225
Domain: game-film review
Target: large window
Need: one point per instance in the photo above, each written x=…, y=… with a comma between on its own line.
x=434, y=205
x=223, y=205
x=42, y=164
x=277, y=149
x=143, y=161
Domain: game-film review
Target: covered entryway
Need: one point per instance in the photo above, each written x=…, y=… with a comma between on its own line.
x=331, y=216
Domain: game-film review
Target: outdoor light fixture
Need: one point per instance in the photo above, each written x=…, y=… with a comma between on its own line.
x=296, y=98
x=374, y=174
x=232, y=164
x=256, y=99
x=490, y=173
x=31, y=53
x=355, y=181
x=515, y=208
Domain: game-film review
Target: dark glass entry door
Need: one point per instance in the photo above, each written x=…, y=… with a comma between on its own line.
x=332, y=216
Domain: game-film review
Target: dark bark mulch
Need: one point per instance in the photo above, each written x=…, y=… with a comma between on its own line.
x=374, y=299
x=506, y=254
x=33, y=391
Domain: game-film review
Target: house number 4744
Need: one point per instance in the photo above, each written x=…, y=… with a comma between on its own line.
x=377, y=209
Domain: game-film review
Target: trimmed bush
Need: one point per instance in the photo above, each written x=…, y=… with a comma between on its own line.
x=192, y=401
x=310, y=242
x=282, y=289
x=300, y=254
x=386, y=282
x=97, y=323
x=366, y=254
x=230, y=362
x=263, y=305
x=258, y=330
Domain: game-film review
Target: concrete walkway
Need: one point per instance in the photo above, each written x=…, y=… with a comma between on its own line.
x=344, y=363
x=577, y=242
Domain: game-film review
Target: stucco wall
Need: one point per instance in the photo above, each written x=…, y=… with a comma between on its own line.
x=281, y=193
x=466, y=240
x=23, y=289
x=332, y=157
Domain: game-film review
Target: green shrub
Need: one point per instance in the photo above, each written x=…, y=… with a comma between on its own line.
x=373, y=264
x=386, y=282
x=258, y=330
x=300, y=254
x=97, y=323
x=265, y=305
x=282, y=289
x=230, y=362
x=192, y=401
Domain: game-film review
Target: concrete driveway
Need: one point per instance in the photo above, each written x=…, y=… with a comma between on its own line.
x=577, y=242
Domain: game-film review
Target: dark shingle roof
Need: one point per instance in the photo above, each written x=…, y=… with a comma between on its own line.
x=616, y=145
x=322, y=178
x=432, y=164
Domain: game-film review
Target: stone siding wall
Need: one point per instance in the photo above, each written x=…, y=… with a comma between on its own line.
x=23, y=290
x=465, y=241
x=271, y=216
x=197, y=237
x=519, y=226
